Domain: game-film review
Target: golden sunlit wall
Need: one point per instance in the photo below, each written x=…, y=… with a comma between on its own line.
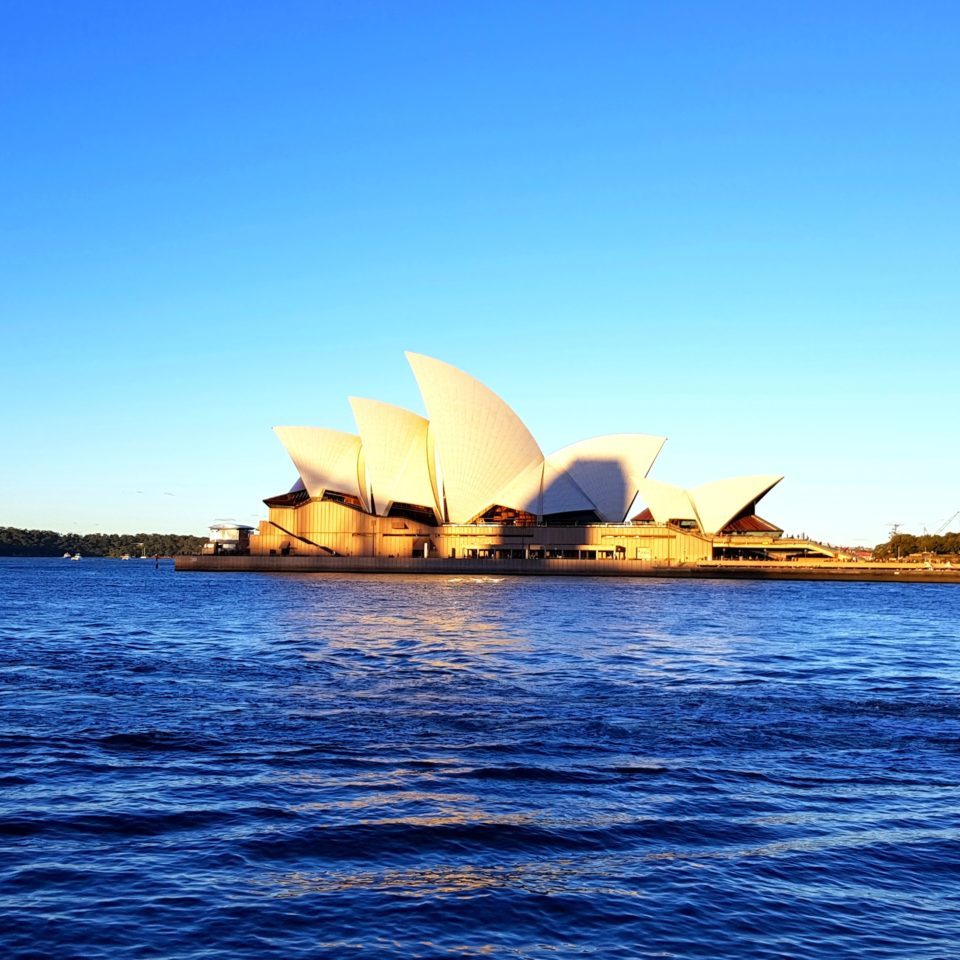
x=320, y=527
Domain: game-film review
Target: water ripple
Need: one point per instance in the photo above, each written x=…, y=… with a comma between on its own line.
x=213, y=767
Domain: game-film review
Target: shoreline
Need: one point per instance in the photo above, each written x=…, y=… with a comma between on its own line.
x=853, y=572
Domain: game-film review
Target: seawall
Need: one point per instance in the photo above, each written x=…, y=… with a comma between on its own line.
x=721, y=570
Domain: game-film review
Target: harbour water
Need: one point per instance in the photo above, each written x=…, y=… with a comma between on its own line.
x=214, y=766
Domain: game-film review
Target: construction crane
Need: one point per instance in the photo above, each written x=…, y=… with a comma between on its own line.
x=946, y=523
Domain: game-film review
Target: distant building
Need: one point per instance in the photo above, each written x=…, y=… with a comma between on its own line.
x=228, y=538
x=471, y=481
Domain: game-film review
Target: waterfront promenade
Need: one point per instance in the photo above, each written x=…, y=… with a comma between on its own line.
x=716, y=569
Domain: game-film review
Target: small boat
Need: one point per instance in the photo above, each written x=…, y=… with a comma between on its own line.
x=125, y=556
x=76, y=556
x=68, y=556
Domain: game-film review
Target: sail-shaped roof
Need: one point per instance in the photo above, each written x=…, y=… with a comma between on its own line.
x=543, y=489
x=561, y=494
x=482, y=445
x=719, y=502
x=524, y=491
x=326, y=460
x=475, y=452
x=395, y=453
x=608, y=469
x=665, y=501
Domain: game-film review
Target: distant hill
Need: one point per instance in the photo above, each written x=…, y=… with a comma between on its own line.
x=15, y=542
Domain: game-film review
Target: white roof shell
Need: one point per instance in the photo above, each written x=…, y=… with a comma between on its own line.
x=475, y=452
x=719, y=502
x=326, y=460
x=482, y=445
x=561, y=494
x=525, y=491
x=665, y=501
x=395, y=454
x=543, y=488
x=609, y=469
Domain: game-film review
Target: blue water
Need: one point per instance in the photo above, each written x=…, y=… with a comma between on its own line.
x=242, y=766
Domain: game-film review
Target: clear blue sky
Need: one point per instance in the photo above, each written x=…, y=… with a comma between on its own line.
x=735, y=224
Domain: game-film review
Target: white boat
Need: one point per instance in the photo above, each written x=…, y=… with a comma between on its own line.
x=68, y=556
x=76, y=556
x=126, y=556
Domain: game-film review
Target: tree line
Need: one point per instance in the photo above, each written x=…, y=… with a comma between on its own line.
x=906, y=544
x=15, y=542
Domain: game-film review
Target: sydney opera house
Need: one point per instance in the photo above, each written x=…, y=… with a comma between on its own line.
x=470, y=481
